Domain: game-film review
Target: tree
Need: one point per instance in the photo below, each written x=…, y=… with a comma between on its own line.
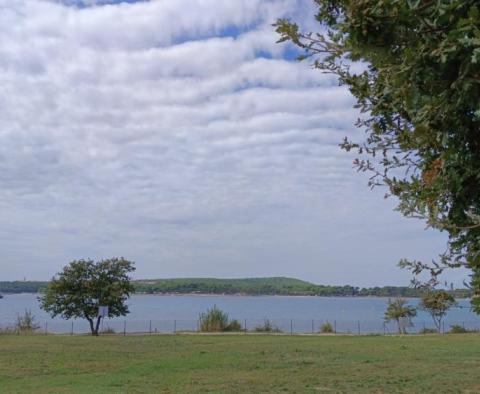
x=84, y=285
x=399, y=311
x=437, y=303
x=418, y=92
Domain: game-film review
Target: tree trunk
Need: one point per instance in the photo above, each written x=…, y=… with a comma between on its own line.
x=92, y=328
x=438, y=323
x=99, y=318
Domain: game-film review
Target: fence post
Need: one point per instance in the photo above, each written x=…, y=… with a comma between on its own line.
x=424, y=328
x=245, y=326
x=384, y=330
x=124, y=327
x=291, y=327
x=334, y=326
x=175, y=326
x=358, y=323
x=150, y=328
x=71, y=332
x=443, y=325
x=312, y=326
x=46, y=328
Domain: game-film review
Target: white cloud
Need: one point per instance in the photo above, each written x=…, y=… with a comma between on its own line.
x=176, y=134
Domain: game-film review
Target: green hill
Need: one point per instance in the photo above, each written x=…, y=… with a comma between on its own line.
x=252, y=286
x=247, y=286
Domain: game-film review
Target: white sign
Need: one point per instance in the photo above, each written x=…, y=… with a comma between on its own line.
x=103, y=311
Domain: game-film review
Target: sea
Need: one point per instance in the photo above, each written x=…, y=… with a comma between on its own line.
x=290, y=314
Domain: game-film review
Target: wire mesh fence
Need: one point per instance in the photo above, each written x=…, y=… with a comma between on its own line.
x=283, y=326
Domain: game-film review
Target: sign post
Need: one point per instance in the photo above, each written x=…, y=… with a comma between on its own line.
x=102, y=313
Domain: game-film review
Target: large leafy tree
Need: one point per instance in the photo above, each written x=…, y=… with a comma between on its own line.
x=84, y=285
x=418, y=92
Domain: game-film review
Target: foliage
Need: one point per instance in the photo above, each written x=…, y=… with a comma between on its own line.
x=213, y=319
x=273, y=286
x=398, y=310
x=326, y=328
x=428, y=331
x=16, y=287
x=216, y=320
x=8, y=330
x=26, y=323
x=437, y=303
x=83, y=286
x=267, y=326
x=248, y=286
x=458, y=329
x=414, y=68
x=234, y=326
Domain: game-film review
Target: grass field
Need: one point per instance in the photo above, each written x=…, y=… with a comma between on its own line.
x=240, y=363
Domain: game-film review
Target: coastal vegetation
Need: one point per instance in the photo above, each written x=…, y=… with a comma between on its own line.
x=437, y=304
x=326, y=328
x=240, y=363
x=268, y=327
x=216, y=320
x=400, y=312
x=247, y=286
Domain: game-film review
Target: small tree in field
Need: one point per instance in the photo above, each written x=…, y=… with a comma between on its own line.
x=398, y=310
x=84, y=285
x=437, y=304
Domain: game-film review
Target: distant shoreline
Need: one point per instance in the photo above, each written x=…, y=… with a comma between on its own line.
x=254, y=287
x=6, y=295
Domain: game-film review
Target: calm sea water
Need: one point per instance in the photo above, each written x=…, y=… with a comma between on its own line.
x=299, y=314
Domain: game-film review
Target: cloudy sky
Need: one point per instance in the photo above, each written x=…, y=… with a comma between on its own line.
x=178, y=134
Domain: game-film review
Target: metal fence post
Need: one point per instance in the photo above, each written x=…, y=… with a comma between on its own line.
x=175, y=326
x=46, y=328
x=358, y=327
x=124, y=327
x=291, y=327
x=150, y=328
x=334, y=326
x=313, y=324
x=245, y=326
x=384, y=329
x=71, y=332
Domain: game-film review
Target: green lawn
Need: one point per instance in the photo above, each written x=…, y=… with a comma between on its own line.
x=240, y=363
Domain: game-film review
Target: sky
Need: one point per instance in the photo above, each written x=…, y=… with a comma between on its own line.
x=180, y=135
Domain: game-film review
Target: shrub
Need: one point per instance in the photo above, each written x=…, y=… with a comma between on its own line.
x=458, y=329
x=8, y=331
x=234, y=325
x=267, y=326
x=326, y=328
x=26, y=323
x=213, y=320
x=428, y=331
